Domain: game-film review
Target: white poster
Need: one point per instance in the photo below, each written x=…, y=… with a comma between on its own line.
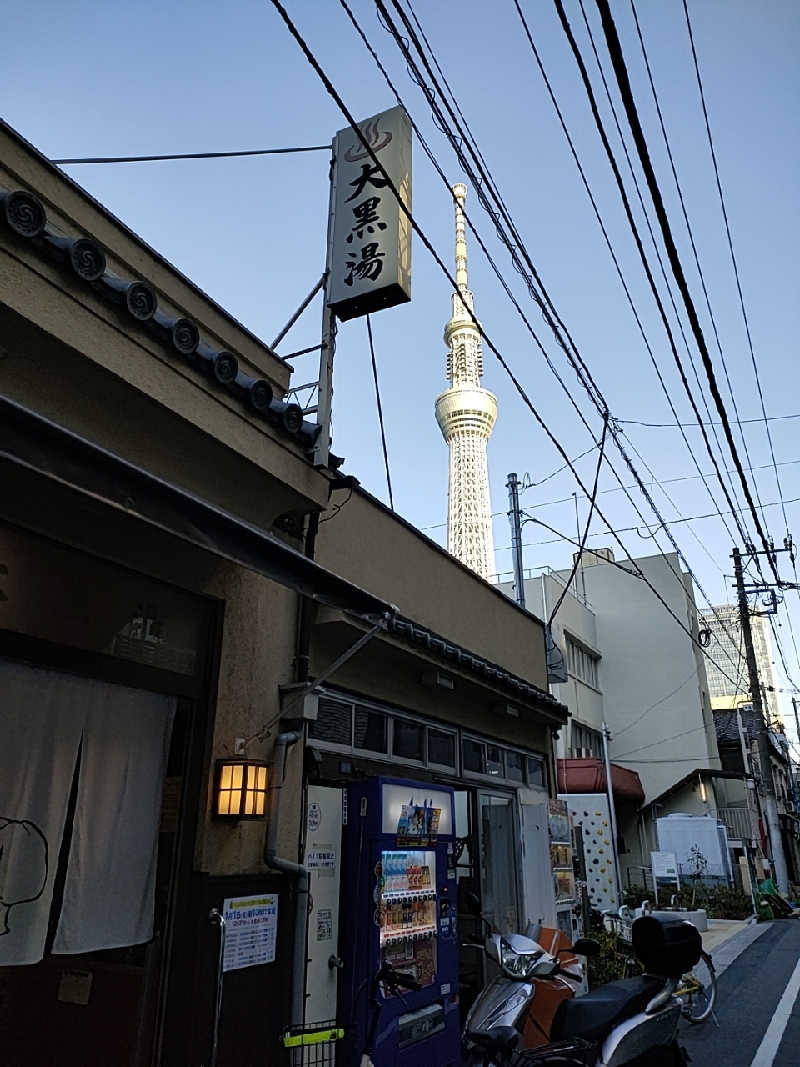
x=251, y=926
x=369, y=258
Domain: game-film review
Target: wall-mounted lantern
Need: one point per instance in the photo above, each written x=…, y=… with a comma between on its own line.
x=240, y=789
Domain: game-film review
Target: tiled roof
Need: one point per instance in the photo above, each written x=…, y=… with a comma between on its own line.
x=24, y=215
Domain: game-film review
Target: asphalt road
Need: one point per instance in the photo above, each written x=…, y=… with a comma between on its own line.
x=758, y=1006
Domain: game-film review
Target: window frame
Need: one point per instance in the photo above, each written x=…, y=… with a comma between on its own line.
x=455, y=771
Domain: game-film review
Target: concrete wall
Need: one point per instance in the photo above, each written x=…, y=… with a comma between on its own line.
x=654, y=686
x=585, y=703
x=387, y=671
x=368, y=544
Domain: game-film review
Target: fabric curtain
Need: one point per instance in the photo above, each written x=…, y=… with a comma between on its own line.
x=123, y=736
x=41, y=723
x=111, y=875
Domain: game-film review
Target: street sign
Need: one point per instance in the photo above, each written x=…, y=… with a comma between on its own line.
x=369, y=255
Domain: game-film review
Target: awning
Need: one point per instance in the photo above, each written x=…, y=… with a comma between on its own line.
x=589, y=776
x=38, y=456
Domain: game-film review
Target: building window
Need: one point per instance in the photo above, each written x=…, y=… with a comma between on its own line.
x=494, y=761
x=536, y=771
x=473, y=756
x=333, y=723
x=582, y=663
x=345, y=725
x=515, y=766
x=586, y=742
x=409, y=740
x=370, y=730
x=441, y=748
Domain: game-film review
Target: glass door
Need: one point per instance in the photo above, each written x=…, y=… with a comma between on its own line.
x=497, y=837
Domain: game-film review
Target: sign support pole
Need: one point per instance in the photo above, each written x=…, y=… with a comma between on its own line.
x=325, y=387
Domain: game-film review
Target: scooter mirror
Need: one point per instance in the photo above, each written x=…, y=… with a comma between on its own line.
x=586, y=946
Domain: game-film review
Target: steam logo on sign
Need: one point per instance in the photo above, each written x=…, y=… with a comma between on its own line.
x=374, y=139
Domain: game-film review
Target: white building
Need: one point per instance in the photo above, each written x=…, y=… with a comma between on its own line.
x=629, y=663
x=727, y=648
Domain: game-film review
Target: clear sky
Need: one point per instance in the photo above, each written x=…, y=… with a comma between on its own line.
x=115, y=79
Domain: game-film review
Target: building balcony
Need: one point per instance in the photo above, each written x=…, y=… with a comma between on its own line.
x=740, y=823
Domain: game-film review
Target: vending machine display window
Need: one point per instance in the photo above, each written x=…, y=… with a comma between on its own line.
x=408, y=912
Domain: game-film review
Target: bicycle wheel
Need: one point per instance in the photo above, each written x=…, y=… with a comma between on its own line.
x=697, y=991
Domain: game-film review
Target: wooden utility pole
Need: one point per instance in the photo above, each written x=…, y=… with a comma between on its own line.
x=762, y=734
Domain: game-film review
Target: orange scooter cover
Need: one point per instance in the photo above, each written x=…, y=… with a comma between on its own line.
x=550, y=992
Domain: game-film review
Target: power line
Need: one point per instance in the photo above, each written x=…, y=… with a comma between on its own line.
x=579, y=554
x=380, y=411
x=330, y=89
x=621, y=73
x=691, y=425
x=653, y=241
x=634, y=529
x=661, y=741
x=616, y=489
x=571, y=352
x=658, y=703
x=640, y=248
x=730, y=241
x=639, y=575
x=691, y=237
x=195, y=155
x=741, y=298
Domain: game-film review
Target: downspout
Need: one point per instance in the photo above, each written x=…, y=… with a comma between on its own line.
x=297, y=870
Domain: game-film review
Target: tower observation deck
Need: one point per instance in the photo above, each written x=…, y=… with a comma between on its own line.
x=466, y=413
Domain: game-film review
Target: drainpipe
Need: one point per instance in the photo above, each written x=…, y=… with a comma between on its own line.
x=277, y=863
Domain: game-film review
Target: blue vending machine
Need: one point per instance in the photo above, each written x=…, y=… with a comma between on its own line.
x=398, y=916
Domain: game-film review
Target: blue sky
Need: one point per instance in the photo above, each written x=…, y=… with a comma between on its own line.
x=88, y=79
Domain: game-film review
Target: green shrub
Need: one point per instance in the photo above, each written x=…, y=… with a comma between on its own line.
x=609, y=963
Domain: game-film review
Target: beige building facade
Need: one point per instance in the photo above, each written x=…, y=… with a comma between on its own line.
x=167, y=578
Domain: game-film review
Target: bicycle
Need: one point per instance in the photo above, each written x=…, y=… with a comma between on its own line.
x=696, y=990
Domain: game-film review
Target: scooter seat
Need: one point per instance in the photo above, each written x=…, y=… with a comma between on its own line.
x=594, y=1015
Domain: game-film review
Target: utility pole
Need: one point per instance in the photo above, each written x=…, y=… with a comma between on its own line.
x=516, y=538
x=762, y=733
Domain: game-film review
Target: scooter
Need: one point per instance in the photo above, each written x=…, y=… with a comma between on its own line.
x=633, y=1021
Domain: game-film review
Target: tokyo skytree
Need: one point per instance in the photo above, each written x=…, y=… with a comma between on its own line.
x=466, y=413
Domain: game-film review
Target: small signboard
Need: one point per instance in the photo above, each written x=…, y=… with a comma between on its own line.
x=665, y=865
x=251, y=925
x=369, y=257
x=665, y=869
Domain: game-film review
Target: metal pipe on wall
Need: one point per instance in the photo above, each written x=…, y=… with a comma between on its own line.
x=278, y=863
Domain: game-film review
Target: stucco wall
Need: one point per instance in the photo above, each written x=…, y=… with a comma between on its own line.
x=653, y=685
x=367, y=544
x=387, y=672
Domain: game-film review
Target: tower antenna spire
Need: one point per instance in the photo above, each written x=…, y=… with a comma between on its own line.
x=466, y=413
x=460, y=196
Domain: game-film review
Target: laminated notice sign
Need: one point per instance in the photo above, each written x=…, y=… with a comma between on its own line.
x=251, y=925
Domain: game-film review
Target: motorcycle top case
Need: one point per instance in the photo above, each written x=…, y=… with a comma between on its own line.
x=666, y=948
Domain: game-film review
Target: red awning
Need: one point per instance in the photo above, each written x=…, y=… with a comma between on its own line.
x=589, y=776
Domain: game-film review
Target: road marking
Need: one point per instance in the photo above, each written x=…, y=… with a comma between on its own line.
x=767, y=1050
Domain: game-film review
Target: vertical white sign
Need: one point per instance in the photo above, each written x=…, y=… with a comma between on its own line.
x=369, y=258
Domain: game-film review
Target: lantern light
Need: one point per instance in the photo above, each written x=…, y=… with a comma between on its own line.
x=241, y=789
